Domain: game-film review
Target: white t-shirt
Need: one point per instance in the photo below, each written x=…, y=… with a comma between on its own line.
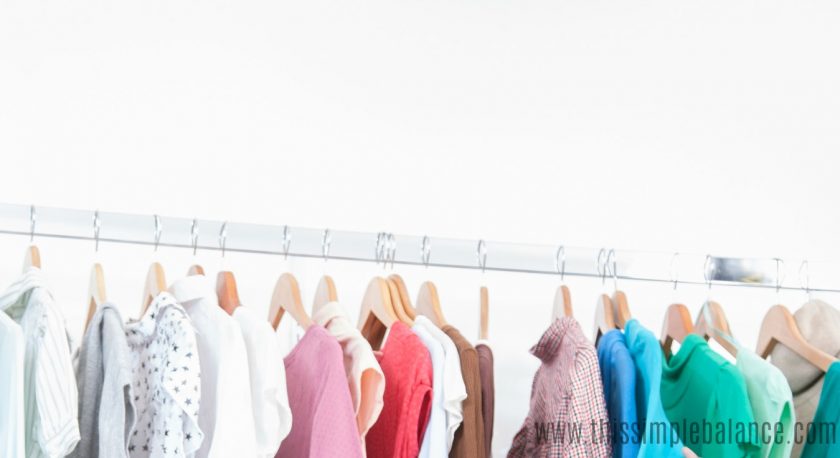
x=270, y=402
x=11, y=386
x=454, y=390
x=225, y=416
x=50, y=396
x=434, y=439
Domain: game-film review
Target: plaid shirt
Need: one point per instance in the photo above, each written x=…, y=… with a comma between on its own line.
x=568, y=415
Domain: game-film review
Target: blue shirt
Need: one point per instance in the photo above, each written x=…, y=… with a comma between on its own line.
x=658, y=437
x=618, y=374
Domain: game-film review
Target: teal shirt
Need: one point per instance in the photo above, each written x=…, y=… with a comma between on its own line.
x=707, y=397
x=658, y=438
x=771, y=401
x=822, y=437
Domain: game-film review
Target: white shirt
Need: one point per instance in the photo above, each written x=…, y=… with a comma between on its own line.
x=166, y=384
x=454, y=390
x=365, y=392
x=434, y=439
x=11, y=386
x=225, y=417
x=288, y=334
x=270, y=402
x=50, y=395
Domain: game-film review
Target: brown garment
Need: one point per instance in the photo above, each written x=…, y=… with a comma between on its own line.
x=488, y=394
x=469, y=438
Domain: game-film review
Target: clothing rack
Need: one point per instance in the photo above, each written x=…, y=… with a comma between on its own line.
x=388, y=249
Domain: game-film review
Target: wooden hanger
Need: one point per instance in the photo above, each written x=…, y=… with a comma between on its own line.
x=195, y=269
x=377, y=313
x=562, y=303
x=779, y=327
x=286, y=298
x=676, y=326
x=604, y=316
x=155, y=284
x=32, y=257
x=428, y=304
x=717, y=329
x=96, y=291
x=227, y=292
x=397, y=303
x=404, y=297
x=483, y=313
x=324, y=293
x=622, y=309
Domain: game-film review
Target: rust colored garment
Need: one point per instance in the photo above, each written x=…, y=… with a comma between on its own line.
x=469, y=439
x=488, y=394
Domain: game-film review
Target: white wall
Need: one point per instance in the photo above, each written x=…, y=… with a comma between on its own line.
x=702, y=127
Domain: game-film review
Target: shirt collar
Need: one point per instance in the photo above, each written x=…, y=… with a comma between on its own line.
x=324, y=314
x=195, y=288
x=143, y=329
x=564, y=330
x=32, y=278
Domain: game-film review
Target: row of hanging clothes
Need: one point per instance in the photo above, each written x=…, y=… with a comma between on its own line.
x=200, y=374
x=626, y=393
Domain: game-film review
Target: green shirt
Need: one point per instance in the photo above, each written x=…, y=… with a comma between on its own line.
x=771, y=401
x=706, y=398
x=822, y=440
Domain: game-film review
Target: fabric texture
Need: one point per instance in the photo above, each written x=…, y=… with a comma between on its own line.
x=824, y=444
x=267, y=374
x=618, y=373
x=364, y=376
x=12, y=345
x=469, y=439
x=408, y=396
x=103, y=373
x=699, y=386
x=771, y=401
x=323, y=423
x=226, y=416
x=434, y=439
x=50, y=396
x=567, y=415
x=488, y=393
x=454, y=390
x=658, y=437
x=166, y=382
x=818, y=322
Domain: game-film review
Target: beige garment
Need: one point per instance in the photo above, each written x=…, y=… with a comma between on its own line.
x=364, y=376
x=818, y=322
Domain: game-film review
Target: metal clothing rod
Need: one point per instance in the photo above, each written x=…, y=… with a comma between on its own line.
x=156, y=231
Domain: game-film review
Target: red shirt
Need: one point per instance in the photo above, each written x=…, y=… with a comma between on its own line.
x=407, y=366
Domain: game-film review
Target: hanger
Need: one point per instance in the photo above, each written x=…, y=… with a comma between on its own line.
x=96, y=291
x=712, y=323
x=779, y=327
x=196, y=269
x=96, y=284
x=377, y=313
x=405, y=300
x=397, y=303
x=324, y=293
x=619, y=299
x=604, y=316
x=562, y=305
x=483, y=314
x=32, y=256
x=676, y=326
x=226, y=289
x=428, y=304
x=286, y=298
x=155, y=284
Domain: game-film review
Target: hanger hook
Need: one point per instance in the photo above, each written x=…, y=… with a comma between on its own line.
x=326, y=241
x=287, y=241
x=674, y=273
x=97, y=224
x=223, y=237
x=601, y=265
x=780, y=273
x=392, y=245
x=481, y=251
x=425, y=250
x=158, y=231
x=805, y=272
x=32, y=218
x=194, y=235
x=612, y=265
x=379, y=250
x=560, y=262
x=709, y=269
